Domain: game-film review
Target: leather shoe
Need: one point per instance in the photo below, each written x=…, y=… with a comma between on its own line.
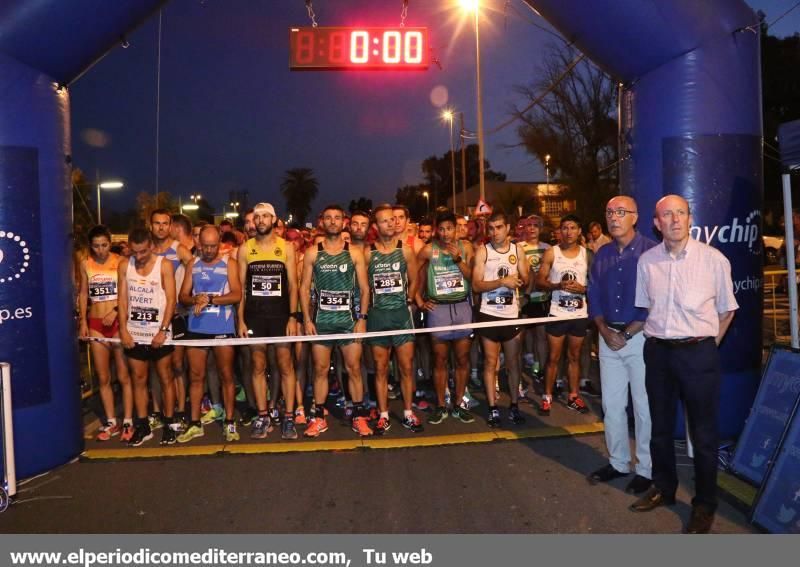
x=638, y=485
x=605, y=474
x=700, y=521
x=652, y=499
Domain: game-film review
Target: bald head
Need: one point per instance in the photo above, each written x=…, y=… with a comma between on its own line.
x=672, y=219
x=672, y=201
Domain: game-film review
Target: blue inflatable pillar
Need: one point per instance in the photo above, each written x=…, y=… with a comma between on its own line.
x=692, y=126
x=37, y=330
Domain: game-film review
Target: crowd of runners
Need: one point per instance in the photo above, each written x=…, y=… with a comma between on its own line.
x=354, y=273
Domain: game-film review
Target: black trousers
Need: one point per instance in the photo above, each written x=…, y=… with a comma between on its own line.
x=690, y=373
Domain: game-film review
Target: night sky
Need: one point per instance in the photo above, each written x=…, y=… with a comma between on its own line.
x=233, y=117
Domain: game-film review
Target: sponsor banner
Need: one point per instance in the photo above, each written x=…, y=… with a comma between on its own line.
x=22, y=314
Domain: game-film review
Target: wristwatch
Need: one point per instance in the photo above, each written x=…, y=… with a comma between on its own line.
x=627, y=335
x=164, y=329
x=362, y=316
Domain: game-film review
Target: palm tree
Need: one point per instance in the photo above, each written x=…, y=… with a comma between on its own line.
x=299, y=187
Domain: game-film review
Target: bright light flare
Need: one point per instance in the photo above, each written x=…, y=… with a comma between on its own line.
x=190, y=207
x=469, y=5
x=112, y=185
x=231, y=215
x=447, y=115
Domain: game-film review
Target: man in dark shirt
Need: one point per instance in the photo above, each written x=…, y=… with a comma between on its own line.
x=611, y=297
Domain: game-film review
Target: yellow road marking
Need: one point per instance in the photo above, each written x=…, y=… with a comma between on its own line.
x=151, y=452
x=428, y=441
x=292, y=447
x=737, y=488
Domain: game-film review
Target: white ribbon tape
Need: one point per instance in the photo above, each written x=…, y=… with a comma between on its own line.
x=348, y=336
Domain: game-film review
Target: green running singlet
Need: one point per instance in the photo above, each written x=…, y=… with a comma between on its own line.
x=388, y=278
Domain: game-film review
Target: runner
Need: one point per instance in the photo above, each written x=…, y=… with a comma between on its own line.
x=400, y=213
x=447, y=262
x=564, y=271
x=97, y=300
x=334, y=268
x=392, y=271
x=498, y=273
x=359, y=231
x=146, y=303
x=211, y=291
x=269, y=309
x=537, y=302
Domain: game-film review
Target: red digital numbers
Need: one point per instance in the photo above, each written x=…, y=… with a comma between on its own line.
x=358, y=48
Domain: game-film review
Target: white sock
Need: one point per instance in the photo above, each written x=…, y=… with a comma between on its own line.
x=407, y=413
x=385, y=414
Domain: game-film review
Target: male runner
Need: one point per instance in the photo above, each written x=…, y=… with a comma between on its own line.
x=537, y=303
x=359, y=229
x=392, y=271
x=447, y=262
x=564, y=272
x=425, y=231
x=212, y=290
x=498, y=273
x=400, y=213
x=333, y=268
x=269, y=309
x=146, y=304
x=174, y=242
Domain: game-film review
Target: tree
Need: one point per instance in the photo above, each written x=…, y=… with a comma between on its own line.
x=438, y=174
x=362, y=204
x=511, y=199
x=412, y=196
x=299, y=187
x=146, y=204
x=780, y=84
x=575, y=123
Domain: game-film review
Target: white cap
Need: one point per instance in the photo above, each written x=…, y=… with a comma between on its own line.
x=265, y=208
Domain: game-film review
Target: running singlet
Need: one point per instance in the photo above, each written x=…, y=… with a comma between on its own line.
x=171, y=254
x=388, y=277
x=566, y=269
x=266, y=283
x=500, y=302
x=102, y=278
x=446, y=283
x=534, y=255
x=146, y=302
x=334, y=281
x=211, y=279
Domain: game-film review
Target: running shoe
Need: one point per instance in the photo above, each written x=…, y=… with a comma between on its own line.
x=413, y=424
x=288, y=430
x=316, y=426
x=588, y=389
x=577, y=404
x=474, y=380
x=438, y=416
x=168, y=436
x=205, y=404
x=231, y=434
x=300, y=416
x=249, y=415
x=127, y=433
x=494, y=418
x=141, y=434
x=373, y=414
x=155, y=421
x=341, y=401
x=179, y=425
x=382, y=426
x=361, y=427
x=275, y=417
x=393, y=392
x=107, y=432
x=462, y=415
x=348, y=412
x=212, y=415
x=515, y=416
x=468, y=402
x=241, y=395
x=544, y=407
x=421, y=405
x=261, y=427
x=191, y=432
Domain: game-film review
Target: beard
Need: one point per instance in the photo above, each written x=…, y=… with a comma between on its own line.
x=264, y=231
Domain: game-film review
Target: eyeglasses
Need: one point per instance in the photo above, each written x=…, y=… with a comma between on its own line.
x=619, y=213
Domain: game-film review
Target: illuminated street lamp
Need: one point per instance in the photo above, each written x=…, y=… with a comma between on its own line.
x=193, y=206
x=448, y=116
x=106, y=185
x=427, y=203
x=474, y=6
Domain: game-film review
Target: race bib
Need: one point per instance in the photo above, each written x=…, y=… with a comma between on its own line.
x=570, y=302
x=387, y=283
x=334, y=300
x=500, y=297
x=449, y=283
x=212, y=308
x=266, y=286
x=144, y=314
x=103, y=291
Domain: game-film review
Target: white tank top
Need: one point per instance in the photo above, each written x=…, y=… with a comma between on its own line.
x=503, y=301
x=564, y=303
x=146, y=302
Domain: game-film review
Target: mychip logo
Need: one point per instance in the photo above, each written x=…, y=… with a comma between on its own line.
x=743, y=230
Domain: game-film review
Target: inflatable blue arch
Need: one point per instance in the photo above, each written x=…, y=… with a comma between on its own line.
x=691, y=123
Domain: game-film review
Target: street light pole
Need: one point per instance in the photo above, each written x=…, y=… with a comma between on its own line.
x=449, y=116
x=427, y=204
x=105, y=185
x=463, y=164
x=479, y=90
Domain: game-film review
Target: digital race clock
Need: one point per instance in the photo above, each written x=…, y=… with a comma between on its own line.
x=358, y=48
